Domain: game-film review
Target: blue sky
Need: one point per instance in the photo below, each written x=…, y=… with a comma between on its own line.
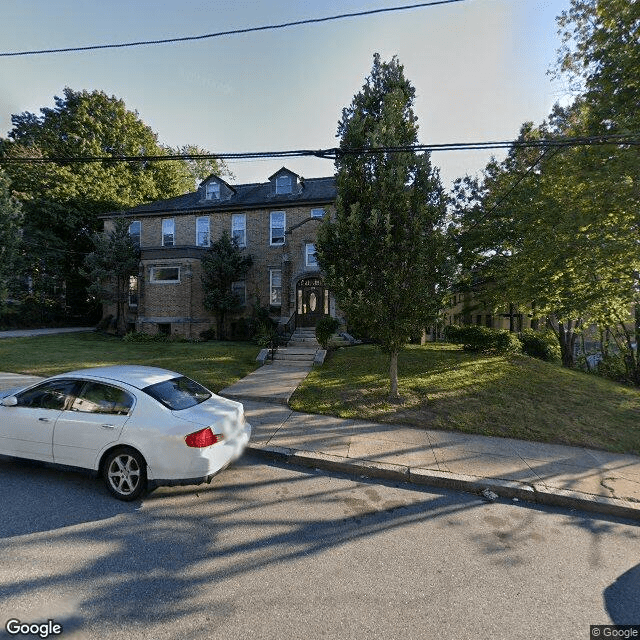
x=479, y=68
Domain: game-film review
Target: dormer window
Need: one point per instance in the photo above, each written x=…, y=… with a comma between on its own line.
x=212, y=191
x=283, y=184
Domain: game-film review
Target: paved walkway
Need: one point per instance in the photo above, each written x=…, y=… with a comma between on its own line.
x=26, y=333
x=572, y=477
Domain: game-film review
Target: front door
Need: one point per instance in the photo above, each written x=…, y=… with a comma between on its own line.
x=312, y=301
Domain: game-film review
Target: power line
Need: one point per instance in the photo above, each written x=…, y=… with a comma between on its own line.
x=334, y=152
x=231, y=32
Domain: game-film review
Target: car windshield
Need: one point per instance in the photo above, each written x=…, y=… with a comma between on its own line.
x=178, y=393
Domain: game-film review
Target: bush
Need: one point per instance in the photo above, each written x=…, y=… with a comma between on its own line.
x=208, y=334
x=142, y=338
x=479, y=339
x=325, y=328
x=614, y=368
x=540, y=344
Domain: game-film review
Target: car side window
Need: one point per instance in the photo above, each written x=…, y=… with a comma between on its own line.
x=96, y=397
x=55, y=395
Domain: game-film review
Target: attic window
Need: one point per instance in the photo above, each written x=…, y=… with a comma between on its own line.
x=283, y=184
x=212, y=191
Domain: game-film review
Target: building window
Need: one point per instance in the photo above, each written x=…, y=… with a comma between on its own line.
x=311, y=259
x=275, y=287
x=168, y=232
x=202, y=231
x=165, y=275
x=133, y=291
x=317, y=213
x=239, y=290
x=278, y=224
x=134, y=232
x=283, y=184
x=212, y=191
x=239, y=228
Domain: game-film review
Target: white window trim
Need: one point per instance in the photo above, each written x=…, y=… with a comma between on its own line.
x=284, y=228
x=317, y=213
x=212, y=191
x=208, y=220
x=153, y=280
x=133, y=305
x=139, y=234
x=309, y=259
x=284, y=189
x=243, y=227
x=271, y=287
x=173, y=231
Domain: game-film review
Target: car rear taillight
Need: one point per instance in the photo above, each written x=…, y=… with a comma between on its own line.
x=203, y=438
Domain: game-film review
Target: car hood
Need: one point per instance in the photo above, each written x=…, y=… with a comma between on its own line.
x=223, y=415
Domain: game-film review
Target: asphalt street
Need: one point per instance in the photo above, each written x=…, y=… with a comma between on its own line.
x=280, y=552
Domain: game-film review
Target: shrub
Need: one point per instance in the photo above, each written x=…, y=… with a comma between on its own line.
x=140, y=337
x=325, y=328
x=614, y=368
x=208, y=334
x=452, y=333
x=479, y=339
x=540, y=344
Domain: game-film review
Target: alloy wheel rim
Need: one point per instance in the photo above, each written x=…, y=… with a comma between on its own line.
x=124, y=474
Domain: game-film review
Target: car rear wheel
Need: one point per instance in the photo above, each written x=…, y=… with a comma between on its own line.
x=125, y=473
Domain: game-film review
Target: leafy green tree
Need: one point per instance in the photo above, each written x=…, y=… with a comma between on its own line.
x=600, y=57
x=62, y=200
x=223, y=264
x=110, y=266
x=201, y=168
x=384, y=255
x=10, y=225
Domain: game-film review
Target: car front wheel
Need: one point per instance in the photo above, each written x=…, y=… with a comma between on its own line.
x=125, y=473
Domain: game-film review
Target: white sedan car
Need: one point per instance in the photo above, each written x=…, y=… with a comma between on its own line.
x=135, y=426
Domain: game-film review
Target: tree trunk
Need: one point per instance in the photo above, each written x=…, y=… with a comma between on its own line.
x=567, y=338
x=565, y=332
x=393, y=377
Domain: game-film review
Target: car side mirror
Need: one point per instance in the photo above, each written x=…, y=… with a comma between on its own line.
x=9, y=401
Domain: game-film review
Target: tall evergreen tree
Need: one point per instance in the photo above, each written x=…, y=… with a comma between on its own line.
x=222, y=265
x=110, y=266
x=384, y=254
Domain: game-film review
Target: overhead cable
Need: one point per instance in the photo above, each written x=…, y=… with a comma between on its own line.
x=332, y=153
x=230, y=32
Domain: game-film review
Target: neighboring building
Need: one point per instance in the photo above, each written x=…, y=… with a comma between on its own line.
x=275, y=222
x=468, y=308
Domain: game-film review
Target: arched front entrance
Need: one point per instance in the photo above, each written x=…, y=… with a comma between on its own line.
x=312, y=301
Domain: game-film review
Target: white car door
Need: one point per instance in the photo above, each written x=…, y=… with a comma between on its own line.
x=93, y=421
x=26, y=429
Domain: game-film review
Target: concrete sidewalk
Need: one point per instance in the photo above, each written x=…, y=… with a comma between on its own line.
x=573, y=477
x=28, y=333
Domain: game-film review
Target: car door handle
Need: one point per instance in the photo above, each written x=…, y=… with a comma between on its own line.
x=44, y=420
x=108, y=426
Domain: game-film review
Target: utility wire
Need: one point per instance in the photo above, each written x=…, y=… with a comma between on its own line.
x=231, y=32
x=335, y=152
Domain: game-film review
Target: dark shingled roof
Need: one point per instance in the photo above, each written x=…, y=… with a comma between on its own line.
x=246, y=196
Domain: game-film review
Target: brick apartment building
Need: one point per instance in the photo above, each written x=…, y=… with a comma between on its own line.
x=275, y=222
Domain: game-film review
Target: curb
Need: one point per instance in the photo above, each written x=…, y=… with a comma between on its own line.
x=536, y=493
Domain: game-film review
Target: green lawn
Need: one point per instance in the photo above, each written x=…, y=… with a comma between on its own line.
x=214, y=364
x=444, y=387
